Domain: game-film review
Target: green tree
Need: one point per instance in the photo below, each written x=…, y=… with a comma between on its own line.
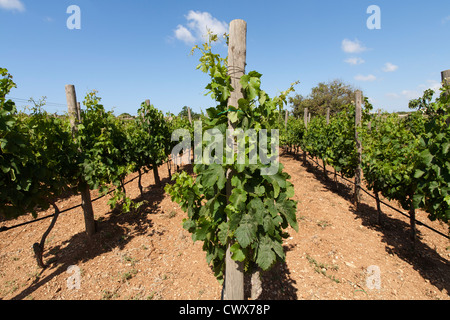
x=334, y=95
x=184, y=114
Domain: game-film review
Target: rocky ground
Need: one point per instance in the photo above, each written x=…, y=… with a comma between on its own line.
x=339, y=253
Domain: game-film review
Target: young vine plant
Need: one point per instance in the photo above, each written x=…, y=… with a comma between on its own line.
x=254, y=218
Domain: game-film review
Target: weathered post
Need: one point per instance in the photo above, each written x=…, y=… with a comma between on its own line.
x=237, y=54
x=358, y=116
x=86, y=203
x=79, y=112
x=154, y=165
x=189, y=115
x=286, y=115
x=286, y=119
x=328, y=116
x=305, y=120
x=445, y=75
x=324, y=163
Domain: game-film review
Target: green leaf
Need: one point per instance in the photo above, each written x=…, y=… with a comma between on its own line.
x=223, y=233
x=289, y=210
x=419, y=173
x=246, y=232
x=256, y=208
x=417, y=199
x=215, y=173
x=238, y=198
x=237, y=253
x=265, y=255
x=277, y=181
x=290, y=191
x=189, y=225
x=445, y=147
x=233, y=116
x=268, y=224
x=426, y=157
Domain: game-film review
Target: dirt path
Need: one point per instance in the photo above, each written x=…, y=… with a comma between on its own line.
x=149, y=256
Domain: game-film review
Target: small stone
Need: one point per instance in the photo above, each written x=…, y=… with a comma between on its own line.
x=351, y=265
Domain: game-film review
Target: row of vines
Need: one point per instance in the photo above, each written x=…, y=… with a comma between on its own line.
x=43, y=157
x=405, y=159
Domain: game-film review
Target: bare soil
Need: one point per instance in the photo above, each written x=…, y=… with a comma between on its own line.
x=148, y=256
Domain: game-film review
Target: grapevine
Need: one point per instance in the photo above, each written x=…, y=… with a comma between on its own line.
x=254, y=219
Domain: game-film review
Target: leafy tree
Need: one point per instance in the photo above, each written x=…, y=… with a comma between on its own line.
x=334, y=95
x=185, y=114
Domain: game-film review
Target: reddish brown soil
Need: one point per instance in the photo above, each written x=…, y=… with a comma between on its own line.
x=148, y=255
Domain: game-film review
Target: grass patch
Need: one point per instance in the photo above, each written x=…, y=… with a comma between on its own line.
x=322, y=268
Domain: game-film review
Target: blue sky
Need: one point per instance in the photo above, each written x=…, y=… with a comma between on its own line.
x=139, y=49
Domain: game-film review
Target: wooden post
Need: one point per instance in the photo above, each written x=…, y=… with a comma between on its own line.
x=286, y=115
x=79, y=112
x=155, y=167
x=377, y=198
x=412, y=219
x=237, y=54
x=147, y=103
x=445, y=75
x=286, y=119
x=305, y=121
x=358, y=115
x=323, y=161
x=72, y=107
x=191, y=152
x=189, y=115
x=305, y=117
x=86, y=202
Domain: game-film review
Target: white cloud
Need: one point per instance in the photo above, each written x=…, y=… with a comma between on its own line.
x=12, y=5
x=183, y=34
x=416, y=93
x=392, y=95
x=431, y=84
x=350, y=46
x=355, y=61
x=410, y=94
x=369, y=77
x=198, y=25
x=404, y=94
x=389, y=67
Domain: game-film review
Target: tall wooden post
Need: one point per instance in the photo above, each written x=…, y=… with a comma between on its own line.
x=358, y=116
x=286, y=117
x=323, y=160
x=445, y=75
x=305, y=117
x=237, y=54
x=412, y=220
x=155, y=167
x=189, y=115
x=86, y=202
x=79, y=112
x=305, y=121
x=328, y=116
